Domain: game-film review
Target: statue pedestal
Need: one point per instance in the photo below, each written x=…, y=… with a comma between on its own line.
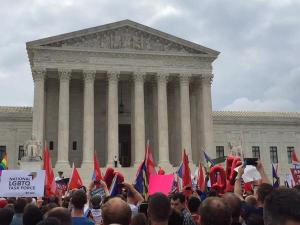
x=31, y=165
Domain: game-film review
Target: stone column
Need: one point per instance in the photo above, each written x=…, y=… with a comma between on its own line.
x=112, y=118
x=88, y=118
x=162, y=120
x=205, y=118
x=139, y=118
x=63, y=119
x=38, y=123
x=185, y=114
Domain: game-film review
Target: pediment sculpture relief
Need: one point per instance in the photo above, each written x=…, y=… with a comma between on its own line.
x=124, y=38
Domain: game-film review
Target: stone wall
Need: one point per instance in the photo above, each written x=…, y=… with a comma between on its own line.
x=15, y=130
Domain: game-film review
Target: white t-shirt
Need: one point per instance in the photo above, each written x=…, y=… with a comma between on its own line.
x=134, y=209
x=97, y=216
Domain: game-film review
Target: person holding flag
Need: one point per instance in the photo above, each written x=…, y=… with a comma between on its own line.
x=145, y=170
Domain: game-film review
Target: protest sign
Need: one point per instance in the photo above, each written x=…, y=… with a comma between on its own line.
x=21, y=183
x=296, y=175
x=62, y=185
x=98, y=191
x=250, y=173
x=161, y=183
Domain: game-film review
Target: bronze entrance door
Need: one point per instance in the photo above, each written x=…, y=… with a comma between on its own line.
x=125, y=145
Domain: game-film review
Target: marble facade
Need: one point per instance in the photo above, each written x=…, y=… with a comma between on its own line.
x=150, y=62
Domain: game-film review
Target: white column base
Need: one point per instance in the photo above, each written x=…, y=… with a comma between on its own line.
x=35, y=165
x=87, y=163
x=62, y=165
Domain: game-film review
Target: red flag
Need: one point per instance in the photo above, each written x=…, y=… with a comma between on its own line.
x=50, y=184
x=186, y=177
x=75, y=180
x=149, y=161
x=97, y=173
x=295, y=159
x=201, y=179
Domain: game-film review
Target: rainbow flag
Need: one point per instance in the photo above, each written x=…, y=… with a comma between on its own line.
x=4, y=163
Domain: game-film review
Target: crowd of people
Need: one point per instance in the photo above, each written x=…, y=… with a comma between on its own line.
x=263, y=206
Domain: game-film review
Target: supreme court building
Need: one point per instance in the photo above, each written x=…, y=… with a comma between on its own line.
x=112, y=88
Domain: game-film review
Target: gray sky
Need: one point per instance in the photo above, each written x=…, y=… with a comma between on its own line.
x=259, y=40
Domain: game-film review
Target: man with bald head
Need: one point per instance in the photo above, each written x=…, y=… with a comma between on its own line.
x=116, y=211
x=215, y=211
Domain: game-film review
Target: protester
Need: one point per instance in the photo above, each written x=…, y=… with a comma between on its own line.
x=78, y=200
x=96, y=212
x=159, y=209
x=62, y=214
x=279, y=207
x=19, y=210
x=139, y=219
x=262, y=192
x=178, y=203
x=32, y=215
x=234, y=204
x=49, y=221
x=194, y=206
x=251, y=200
x=60, y=176
x=282, y=207
x=6, y=215
x=134, y=198
x=214, y=211
x=116, y=211
x=254, y=219
x=175, y=218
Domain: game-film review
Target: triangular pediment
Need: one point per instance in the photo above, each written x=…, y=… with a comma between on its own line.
x=125, y=34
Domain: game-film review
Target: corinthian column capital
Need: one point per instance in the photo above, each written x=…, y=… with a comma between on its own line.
x=185, y=78
x=207, y=78
x=38, y=74
x=64, y=75
x=113, y=76
x=89, y=75
x=139, y=76
x=162, y=77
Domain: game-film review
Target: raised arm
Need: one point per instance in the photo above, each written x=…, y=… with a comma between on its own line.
x=137, y=196
x=261, y=170
x=238, y=183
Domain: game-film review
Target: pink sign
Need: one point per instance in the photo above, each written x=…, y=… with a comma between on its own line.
x=161, y=183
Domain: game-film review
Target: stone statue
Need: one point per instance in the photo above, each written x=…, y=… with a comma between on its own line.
x=32, y=150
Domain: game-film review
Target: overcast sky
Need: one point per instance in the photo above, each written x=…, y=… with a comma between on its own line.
x=259, y=40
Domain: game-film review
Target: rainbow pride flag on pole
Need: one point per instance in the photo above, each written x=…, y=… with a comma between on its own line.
x=4, y=163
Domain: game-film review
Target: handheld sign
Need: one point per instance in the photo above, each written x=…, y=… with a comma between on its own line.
x=21, y=183
x=160, y=183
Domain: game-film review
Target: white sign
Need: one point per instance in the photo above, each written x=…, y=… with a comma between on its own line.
x=22, y=183
x=250, y=173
